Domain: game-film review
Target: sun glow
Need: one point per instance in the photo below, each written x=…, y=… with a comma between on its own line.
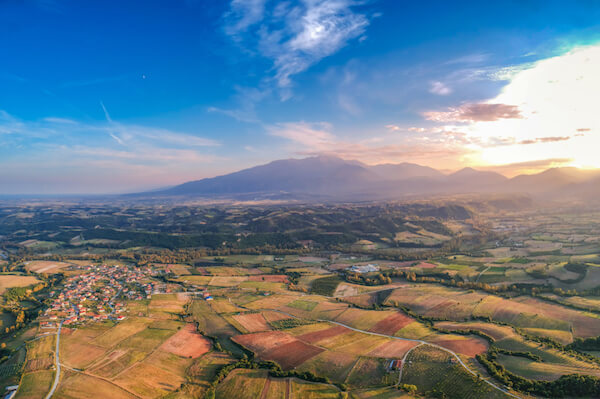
x=559, y=100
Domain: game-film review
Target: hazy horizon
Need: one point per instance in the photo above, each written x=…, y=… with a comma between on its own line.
x=170, y=92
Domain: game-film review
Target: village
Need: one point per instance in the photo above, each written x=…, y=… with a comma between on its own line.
x=99, y=293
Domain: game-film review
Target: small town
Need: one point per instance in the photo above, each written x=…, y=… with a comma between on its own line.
x=99, y=294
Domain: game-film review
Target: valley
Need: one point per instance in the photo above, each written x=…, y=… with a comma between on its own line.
x=356, y=301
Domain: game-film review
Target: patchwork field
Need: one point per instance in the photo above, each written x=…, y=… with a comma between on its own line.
x=524, y=312
x=145, y=356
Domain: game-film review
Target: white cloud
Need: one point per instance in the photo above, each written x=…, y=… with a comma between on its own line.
x=439, y=88
x=295, y=37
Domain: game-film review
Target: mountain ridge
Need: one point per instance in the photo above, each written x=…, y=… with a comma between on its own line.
x=337, y=178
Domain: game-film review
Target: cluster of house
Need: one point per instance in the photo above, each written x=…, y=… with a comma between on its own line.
x=94, y=294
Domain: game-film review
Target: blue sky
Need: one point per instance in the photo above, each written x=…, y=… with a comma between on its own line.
x=103, y=96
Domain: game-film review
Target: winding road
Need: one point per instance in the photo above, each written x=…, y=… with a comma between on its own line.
x=57, y=360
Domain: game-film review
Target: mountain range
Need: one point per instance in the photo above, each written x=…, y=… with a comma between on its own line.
x=326, y=177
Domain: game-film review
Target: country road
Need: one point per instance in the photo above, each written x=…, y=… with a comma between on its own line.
x=403, y=361
x=57, y=360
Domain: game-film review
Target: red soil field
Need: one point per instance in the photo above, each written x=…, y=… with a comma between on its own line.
x=391, y=324
x=263, y=341
x=253, y=322
x=280, y=347
x=469, y=347
x=187, y=343
x=393, y=349
x=292, y=354
x=270, y=278
x=425, y=265
x=317, y=336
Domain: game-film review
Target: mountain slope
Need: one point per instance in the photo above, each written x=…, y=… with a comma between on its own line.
x=319, y=175
x=331, y=178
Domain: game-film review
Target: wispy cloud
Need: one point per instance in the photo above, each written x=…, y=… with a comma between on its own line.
x=59, y=120
x=242, y=15
x=313, y=136
x=481, y=112
x=294, y=36
x=552, y=139
x=61, y=130
x=69, y=155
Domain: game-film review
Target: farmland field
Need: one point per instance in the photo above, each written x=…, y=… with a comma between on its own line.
x=9, y=281
x=515, y=297
x=35, y=385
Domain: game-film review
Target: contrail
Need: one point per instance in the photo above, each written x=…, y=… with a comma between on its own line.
x=110, y=121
